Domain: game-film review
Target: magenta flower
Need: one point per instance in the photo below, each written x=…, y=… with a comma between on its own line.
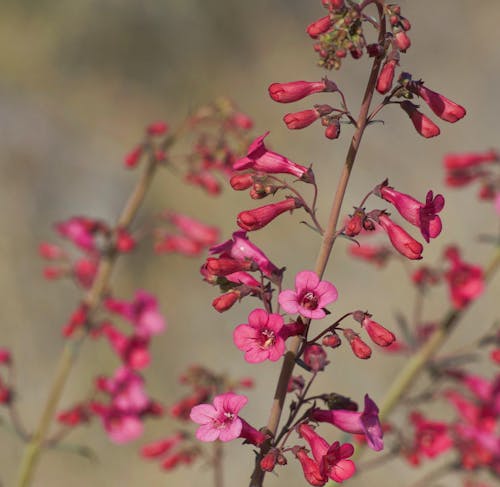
x=259, y=217
x=296, y=90
x=263, y=160
x=423, y=125
x=331, y=459
x=465, y=281
x=422, y=215
x=241, y=249
x=310, y=296
x=366, y=423
x=142, y=312
x=402, y=241
x=260, y=339
x=220, y=420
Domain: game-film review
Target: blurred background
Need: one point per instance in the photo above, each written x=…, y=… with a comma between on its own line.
x=79, y=82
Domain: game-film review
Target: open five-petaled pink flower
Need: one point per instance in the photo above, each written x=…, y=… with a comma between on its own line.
x=310, y=296
x=220, y=420
x=260, y=339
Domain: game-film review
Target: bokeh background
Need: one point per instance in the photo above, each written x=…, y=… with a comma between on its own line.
x=79, y=81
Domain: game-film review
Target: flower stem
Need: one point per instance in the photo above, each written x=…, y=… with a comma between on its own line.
x=71, y=349
x=329, y=238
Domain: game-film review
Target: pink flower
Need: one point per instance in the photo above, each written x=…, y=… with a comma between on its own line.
x=260, y=339
x=497, y=204
x=142, y=312
x=310, y=296
x=300, y=120
x=80, y=230
x=260, y=159
x=358, y=346
x=318, y=27
x=379, y=335
x=160, y=447
x=194, y=229
x=431, y=437
x=220, y=420
x=180, y=244
x=365, y=423
x=419, y=214
x=240, y=248
x=465, y=281
x=445, y=109
x=133, y=157
x=469, y=159
x=423, y=125
x=258, y=218
x=331, y=459
x=402, y=241
x=309, y=466
x=157, y=128
x=297, y=90
x=386, y=76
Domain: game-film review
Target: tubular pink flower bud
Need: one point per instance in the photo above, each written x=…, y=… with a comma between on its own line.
x=332, y=341
x=269, y=460
x=423, y=125
x=386, y=76
x=300, y=120
x=259, y=217
x=240, y=182
x=444, y=108
x=297, y=90
x=159, y=448
x=133, y=157
x=225, y=301
x=354, y=225
x=318, y=27
x=157, y=128
x=401, y=40
x=379, y=335
x=469, y=159
x=332, y=130
x=260, y=159
x=358, y=346
x=402, y=241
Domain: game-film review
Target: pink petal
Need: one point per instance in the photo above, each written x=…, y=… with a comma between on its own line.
x=234, y=402
x=275, y=323
x=244, y=337
x=232, y=431
x=256, y=355
x=207, y=432
x=258, y=318
x=203, y=413
x=306, y=280
x=315, y=314
x=288, y=301
x=343, y=470
x=326, y=292
x=276, y=352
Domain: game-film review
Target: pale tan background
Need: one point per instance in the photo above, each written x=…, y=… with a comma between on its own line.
x=79, y=80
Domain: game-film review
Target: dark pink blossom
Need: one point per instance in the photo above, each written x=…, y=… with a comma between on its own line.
x=402, y=241
x=160, y=447
x=379, y=335
x=386, y=76
x=422, y=215
x=444, y=108
x=366, y=423
x=331, y=459
x=302, y=119
x=297, y=90
x=260, y=159
x=142, y=312
x=258, y=218
x=470, y=159
x=194, y=229
x=240, y=248
x=219, y=421
x=318, y=27
x=465, y=281
x=133, y=157
x=260, y=339
x=431, y=437
x=310, y=296
x=423, y=125
x=80, y=230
